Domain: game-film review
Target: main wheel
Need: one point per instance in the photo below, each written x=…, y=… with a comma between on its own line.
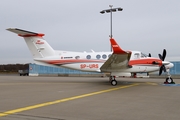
x=113, y=82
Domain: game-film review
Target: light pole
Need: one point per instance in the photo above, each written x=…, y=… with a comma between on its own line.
x=110, y=11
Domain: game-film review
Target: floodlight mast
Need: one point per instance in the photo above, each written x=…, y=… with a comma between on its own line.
x=111, y=20
x=111, y=10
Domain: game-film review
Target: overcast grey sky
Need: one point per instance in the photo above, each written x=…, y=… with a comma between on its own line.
x=77, y=25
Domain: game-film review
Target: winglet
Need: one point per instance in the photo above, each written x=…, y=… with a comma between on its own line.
x=116, y=48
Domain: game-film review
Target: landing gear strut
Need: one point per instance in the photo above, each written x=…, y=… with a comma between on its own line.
x=169, y=80
x=112, y=80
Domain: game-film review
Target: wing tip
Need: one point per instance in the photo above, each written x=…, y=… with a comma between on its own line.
x=116, y=48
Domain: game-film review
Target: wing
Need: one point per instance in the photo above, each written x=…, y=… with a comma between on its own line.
x=118, y=60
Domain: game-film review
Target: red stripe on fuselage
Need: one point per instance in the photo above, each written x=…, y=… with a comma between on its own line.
x=146, y=61
x=71, y=61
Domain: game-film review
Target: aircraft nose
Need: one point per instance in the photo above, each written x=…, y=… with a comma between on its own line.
x=165, y=62
x=170, y=65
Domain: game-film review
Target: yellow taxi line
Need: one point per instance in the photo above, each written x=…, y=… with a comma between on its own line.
x=150, y=83
x=62, y=100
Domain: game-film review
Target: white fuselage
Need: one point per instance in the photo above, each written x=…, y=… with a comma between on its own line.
x=92, y=61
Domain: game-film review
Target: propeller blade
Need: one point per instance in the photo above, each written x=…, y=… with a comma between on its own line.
x=160, y=70
x=164, y=68
x=164, y=54
x=160, y=56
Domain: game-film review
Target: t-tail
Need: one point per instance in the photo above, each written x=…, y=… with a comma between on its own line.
x=35, y=42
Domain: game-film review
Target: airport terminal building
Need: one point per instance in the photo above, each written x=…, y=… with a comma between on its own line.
x=38, y=70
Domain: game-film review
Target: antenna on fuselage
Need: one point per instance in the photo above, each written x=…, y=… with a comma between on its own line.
x=92, y=50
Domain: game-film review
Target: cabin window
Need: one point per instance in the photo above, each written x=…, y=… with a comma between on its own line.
x=98, y=56
x=88, y=56
x=104, y=56
x=77, y=57
x=109, y=55
x=68, y=57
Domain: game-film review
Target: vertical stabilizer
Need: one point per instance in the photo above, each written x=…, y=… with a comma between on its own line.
x=35, y=42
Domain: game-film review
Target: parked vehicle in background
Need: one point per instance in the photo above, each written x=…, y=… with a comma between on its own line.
x=23, y=72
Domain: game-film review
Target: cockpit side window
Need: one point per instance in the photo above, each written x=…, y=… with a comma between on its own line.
x=143, y=55
x=136, y=55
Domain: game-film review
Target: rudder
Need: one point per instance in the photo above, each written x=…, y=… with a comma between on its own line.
x=37, y=45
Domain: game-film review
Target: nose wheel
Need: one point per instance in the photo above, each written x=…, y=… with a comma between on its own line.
x=112, y=80
x=169, y=80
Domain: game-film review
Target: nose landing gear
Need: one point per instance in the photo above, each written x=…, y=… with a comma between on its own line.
x=169, y=80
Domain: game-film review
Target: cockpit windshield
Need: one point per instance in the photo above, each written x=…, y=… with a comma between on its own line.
x=143, y=55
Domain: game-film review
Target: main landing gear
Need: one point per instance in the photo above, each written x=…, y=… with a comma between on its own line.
x=112, y=80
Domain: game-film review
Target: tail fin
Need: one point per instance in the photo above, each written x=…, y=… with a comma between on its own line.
x=37, y=45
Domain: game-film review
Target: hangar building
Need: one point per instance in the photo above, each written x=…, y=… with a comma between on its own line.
x=37, y=70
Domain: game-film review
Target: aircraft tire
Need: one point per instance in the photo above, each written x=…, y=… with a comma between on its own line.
x=113, y=82
x=169, y=80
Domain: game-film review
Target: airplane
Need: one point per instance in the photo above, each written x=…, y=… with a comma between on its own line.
x=117, y=63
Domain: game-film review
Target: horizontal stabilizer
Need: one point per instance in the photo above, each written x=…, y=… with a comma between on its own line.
x=24, y=33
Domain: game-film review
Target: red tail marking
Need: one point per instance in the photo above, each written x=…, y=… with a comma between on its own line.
x=39, y=42
x=30, y=35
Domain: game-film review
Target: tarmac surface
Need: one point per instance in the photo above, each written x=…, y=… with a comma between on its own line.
x=87, y=98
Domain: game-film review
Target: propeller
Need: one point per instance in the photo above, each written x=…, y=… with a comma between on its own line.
x=162, y=57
